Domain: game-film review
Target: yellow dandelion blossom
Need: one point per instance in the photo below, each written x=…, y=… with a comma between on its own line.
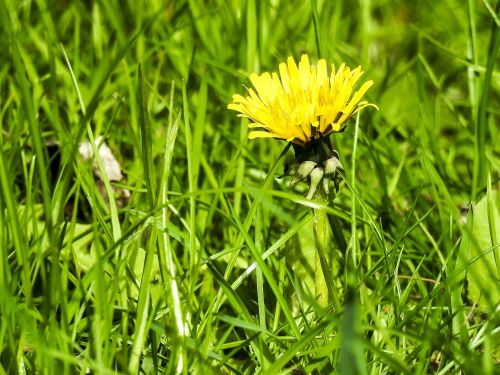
x=303, y=103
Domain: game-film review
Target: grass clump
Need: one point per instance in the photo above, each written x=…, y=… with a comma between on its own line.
x=201, y=260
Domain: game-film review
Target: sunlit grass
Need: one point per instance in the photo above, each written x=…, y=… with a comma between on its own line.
x=208, y=265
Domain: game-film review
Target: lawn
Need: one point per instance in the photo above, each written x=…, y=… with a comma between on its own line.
x=190, y=250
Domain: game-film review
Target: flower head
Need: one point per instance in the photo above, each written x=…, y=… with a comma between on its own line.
x=304, y=103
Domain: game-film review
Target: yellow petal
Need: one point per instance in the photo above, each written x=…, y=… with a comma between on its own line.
x=304, y=71
x=260, y=134
x=285, y=80
x=355, y=99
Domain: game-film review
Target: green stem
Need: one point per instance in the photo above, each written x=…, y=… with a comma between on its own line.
x=321, y=289
x=323, y=281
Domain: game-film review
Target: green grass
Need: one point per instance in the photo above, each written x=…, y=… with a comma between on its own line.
x=208, y=267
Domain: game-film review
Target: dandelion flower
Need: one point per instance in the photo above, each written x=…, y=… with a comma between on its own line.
x=303, y=103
